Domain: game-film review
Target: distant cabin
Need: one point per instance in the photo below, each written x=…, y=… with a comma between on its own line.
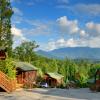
x=53, y=79
x=97, y=77
x=26, y=73
x=2, y=53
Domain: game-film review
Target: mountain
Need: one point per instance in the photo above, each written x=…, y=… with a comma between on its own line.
x=72, y=53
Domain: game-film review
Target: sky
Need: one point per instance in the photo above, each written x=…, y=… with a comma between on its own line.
x=56, y=24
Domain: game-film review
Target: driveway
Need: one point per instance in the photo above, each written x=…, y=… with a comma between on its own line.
x=51, y=94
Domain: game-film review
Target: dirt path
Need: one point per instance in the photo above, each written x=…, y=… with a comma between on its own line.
x=51, y=94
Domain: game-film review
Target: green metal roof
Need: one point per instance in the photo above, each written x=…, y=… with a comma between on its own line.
x=25, y=66
x=55, y=75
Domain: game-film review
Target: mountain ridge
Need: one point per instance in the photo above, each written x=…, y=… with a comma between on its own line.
x=72, y=53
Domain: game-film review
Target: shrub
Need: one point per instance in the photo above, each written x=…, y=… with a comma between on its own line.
x=7, y=66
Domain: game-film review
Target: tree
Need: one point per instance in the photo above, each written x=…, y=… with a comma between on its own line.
x=5, y=25
x=53, y=66
x=25, y=52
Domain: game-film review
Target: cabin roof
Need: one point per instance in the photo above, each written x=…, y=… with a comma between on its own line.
x=55, y=75
x=24, y=66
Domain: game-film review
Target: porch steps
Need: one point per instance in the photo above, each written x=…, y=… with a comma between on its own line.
x=6, y=83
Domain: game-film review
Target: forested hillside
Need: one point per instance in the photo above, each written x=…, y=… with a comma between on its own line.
x=67, y=67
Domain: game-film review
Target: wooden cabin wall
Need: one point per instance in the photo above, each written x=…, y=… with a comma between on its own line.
x=29, y=76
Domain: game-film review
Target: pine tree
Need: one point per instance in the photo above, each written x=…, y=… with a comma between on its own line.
x=5, y=25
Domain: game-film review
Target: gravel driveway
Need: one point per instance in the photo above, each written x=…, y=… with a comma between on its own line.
x=51, y=94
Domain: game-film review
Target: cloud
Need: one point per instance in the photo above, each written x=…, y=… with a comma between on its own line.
x=68, y=26
x=89, y=9
x=16, y=32
x=17, y=11
x=94, y=42
x=83, y=33
x=75, y=35
x=93, y=29
x=80, y=9
x=18, y=36
x=60, y=43
x=72, y=42
x=18, y=16
x=39, y=27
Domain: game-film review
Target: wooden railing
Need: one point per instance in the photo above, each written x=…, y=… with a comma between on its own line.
x=6, y=83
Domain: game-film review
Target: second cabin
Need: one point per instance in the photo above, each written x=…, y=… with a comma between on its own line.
x=53, y=79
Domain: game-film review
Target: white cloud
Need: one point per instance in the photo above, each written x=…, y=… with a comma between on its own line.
x=89, y=35
x=17, y=18
x=62, y=43
x=71, y=42
x=83, y=33
x=93, y=29
x=94, y=42
x=50, y=46
x=68, y=26
x=81, y=9
x=39, y=27
x=16, y=32
x=89, y=9
x=18, y=36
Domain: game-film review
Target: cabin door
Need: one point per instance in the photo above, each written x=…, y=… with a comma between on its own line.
x=19, y=77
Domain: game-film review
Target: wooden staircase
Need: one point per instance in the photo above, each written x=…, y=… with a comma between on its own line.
x=6, y=83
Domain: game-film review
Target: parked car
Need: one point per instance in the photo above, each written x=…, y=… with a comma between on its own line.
x=43, y=85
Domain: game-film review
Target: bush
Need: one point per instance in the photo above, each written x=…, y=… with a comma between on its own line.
x=7, y=66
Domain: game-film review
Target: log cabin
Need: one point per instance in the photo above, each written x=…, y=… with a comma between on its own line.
x=97, y=78
x=53, y=79
x=2, y=53
x=26, y=74
x=96, y=85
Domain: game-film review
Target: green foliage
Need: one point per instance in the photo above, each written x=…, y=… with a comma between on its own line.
x=7, y=66
x=5, y=25
x=24, y=52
